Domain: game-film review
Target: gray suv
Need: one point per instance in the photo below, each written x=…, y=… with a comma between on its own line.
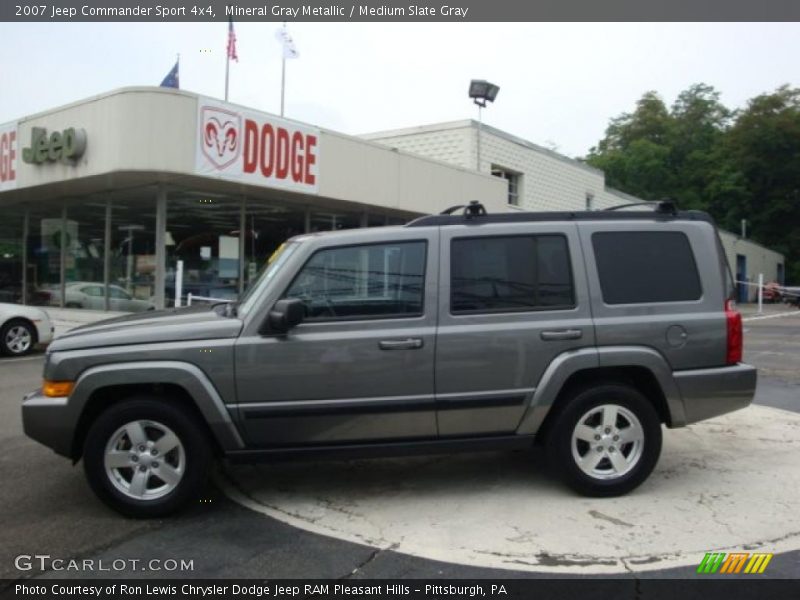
x=583, y=332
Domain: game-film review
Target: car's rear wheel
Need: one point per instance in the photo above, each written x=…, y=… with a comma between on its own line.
x=17, y=338
x=145, y=457
x=605, y=441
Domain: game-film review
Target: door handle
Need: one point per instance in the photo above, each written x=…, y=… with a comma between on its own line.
x=407, y=344
x=564, y=334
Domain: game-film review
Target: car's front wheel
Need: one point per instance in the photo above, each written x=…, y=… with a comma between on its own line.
x=145, y=457
x=605, y=441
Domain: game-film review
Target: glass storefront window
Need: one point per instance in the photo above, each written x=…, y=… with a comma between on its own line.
x=268, y=225
x=332, y=221
x=132, y=260
x=11, y=254
x=374, y=220
x=83, y=263
x=44, y=253
x=203, y=232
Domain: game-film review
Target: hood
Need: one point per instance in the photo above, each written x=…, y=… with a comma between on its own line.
x=199, y=322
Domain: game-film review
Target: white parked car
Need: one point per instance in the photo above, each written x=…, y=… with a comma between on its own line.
x=84, y=294
x=22, y=328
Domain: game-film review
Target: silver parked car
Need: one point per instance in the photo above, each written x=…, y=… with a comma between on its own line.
x=583, y=332
x=91, y=295
x=22, y=328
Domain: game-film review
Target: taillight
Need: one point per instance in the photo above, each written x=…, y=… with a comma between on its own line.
x=733, y=318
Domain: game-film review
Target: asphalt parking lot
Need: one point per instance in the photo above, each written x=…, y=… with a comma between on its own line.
x=726, y=485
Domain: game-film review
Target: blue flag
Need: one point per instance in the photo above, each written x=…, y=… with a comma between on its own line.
x=172, y=80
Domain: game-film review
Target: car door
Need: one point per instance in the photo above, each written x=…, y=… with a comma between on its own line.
x=92, y=297
x=647, y=277
x=118, y=299
x=511, y=299
x=359, y=368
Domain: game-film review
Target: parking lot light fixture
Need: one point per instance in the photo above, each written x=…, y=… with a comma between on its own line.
x=481, y=92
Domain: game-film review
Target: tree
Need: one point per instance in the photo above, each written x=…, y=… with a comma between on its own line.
x=763, y=145
x=633, y=153
x=735, y=165
x=698, y=123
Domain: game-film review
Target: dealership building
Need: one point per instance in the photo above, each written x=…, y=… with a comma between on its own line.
x=101, y=199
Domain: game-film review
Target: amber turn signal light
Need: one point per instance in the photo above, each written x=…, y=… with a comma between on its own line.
x=57, y=389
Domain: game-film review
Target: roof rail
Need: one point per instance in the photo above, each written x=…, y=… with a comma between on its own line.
x=666, y=206
x=473, y=209
x=475, y=214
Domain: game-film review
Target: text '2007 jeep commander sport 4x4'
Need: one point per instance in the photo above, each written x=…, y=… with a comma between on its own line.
x=585, y=331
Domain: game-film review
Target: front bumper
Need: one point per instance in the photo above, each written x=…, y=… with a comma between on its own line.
x=707, y=393
x=48, y=421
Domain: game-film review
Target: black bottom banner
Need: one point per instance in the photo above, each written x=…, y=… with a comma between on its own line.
x=410, y=589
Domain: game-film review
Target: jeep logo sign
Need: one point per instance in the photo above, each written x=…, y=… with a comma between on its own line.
x=64, y=146
x=255, y=148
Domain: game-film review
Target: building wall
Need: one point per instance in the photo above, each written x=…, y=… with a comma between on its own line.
x=758, y=260
x=128, y=130
x=451, y=144
x=156, y=130
x=367, y=173
x=549, y=181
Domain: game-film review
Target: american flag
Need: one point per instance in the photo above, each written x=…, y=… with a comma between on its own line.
x=232, y=41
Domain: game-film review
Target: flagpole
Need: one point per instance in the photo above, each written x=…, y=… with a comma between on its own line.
x=227, y=69
x=283, y=70
x=228, y=56
x=283, y=81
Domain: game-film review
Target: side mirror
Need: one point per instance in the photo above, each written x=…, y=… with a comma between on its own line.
x=286, y=313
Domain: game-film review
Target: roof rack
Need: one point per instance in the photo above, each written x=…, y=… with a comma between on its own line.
x=475, y=214
x=665, y=206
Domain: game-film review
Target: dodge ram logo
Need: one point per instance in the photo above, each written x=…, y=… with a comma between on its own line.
x=220, y=136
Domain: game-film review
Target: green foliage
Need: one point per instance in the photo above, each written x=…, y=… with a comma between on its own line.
x=735, y=165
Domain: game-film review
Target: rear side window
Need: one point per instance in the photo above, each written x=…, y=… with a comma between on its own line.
x=646, y=266
x=511, y=273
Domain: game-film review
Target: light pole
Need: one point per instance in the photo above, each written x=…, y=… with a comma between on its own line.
x=129, y=260
x=481, y=92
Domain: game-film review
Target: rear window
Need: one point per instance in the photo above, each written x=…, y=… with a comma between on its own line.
x=645, y=267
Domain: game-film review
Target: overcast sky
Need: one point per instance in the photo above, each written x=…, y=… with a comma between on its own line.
x=559, y=83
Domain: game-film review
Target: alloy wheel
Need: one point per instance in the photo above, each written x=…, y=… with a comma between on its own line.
x=607, y=442
x=18, y=339
x=145, y=460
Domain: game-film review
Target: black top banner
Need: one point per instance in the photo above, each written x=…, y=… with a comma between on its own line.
x=400, y=10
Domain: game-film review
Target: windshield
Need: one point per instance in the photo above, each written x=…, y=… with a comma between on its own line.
x=268, y=271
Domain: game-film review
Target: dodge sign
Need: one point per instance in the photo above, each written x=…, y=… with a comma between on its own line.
x=256, y=148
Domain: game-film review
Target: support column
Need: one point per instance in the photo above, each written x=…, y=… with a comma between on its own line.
x=161, y=248
x=307, y=220
x=63, y=257
x=242, y=241
x=25, y=226
x=107, y=256
x=364, y=222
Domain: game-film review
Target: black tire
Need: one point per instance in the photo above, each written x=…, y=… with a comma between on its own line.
x=578, y=406
x=195, y=449
x=8, y=349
